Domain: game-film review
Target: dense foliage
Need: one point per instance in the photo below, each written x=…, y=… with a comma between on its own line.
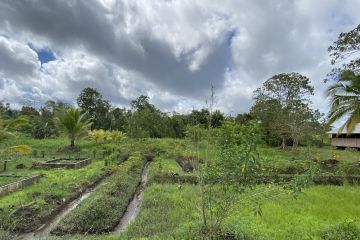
x=345, y=92
x=282, y=105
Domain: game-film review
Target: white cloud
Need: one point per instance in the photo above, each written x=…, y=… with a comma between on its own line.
x=170, y=50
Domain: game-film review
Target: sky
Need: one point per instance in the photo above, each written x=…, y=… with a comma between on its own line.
x=169, y=50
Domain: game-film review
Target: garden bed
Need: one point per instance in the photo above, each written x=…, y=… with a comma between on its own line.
x=101, y=212
x=73, y=163
x=10, y=178
x=12, y=186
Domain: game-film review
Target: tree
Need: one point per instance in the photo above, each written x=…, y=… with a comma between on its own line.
x=271, y=117
x=282, y=103
x=345, y=100
x=199, y=117
x=217, y=119
x=344, y=94
x=92, y=102
x=177, y=125
x=345, y=47
x=146, y=120
x=141, y=103
x=118, y=118
x=244, y=118
x=302, y=120
x=74, y=123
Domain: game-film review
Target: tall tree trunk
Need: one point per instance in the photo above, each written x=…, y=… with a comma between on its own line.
x=72, y=144
x=283, y=143
x=295, y=143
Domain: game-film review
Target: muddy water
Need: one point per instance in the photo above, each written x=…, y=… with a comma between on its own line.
x=134, y=206
x=44, y=231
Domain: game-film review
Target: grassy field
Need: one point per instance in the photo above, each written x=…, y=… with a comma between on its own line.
x=170, y=209
x=171, y=212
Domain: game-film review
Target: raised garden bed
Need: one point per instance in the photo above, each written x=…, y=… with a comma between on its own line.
x=101, y=212
x=18, y=184
x=73, y=163
x=10, y=178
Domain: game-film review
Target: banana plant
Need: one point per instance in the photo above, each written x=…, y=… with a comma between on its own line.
x=7, y=132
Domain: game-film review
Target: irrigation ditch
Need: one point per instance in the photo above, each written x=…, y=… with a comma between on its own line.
x=53, y=219
x=45, y=230
x=125, y=218
x=133, y=209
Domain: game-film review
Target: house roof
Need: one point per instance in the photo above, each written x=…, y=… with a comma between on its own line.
x=344, y=131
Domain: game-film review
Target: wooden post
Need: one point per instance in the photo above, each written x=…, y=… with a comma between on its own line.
x=5, y=164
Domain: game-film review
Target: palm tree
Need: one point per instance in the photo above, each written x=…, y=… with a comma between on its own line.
x=345, y=100
x=73, y=123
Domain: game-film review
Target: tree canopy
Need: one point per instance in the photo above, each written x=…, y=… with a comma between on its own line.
x=344, y=94
x=92, y=102
x=282, y=105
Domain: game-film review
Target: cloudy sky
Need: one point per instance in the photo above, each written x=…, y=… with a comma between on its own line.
x=170, y=50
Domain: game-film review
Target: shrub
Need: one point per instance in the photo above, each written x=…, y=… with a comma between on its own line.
x=343, y=231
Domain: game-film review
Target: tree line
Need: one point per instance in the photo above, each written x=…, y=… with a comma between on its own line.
x=282, y=107
x=143, y=119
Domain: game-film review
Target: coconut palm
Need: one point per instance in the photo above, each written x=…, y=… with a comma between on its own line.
x=72, y=122
x=345, y=100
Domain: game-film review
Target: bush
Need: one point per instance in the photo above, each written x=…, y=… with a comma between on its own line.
x=343, y=231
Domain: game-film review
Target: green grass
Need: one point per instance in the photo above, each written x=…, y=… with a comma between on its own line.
x=170, y=209
x=170, y=212
x=167, y=211
x=57, y=183
x=164, y=166
x=7, y=180
x=102, y=210
x=286, y=218
x=308, y=153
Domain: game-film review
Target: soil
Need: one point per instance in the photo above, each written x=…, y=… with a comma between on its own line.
x=329, y=165
x=20, y=166
x=53, y=199
x=30, y=215
x=34, y=218
x=185, y=163
x=149, y=157
x=228, y=236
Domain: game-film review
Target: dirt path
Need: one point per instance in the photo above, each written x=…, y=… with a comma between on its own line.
x=134, y=206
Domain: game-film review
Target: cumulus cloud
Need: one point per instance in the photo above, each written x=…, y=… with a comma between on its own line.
x=169, y=50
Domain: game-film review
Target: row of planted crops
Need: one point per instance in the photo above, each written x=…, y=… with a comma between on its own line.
x=170, y=208
x=110, y=180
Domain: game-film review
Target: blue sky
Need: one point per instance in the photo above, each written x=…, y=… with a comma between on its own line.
x=170, y=50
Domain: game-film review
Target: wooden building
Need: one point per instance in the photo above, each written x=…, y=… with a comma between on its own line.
x=345, y=139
